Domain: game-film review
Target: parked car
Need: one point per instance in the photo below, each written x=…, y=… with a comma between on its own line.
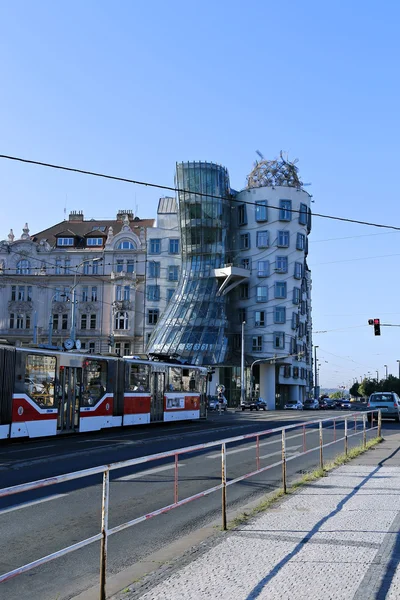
x=311, y=405
x=327, y=404
x=293, y=406
x=254, y=404
x=213, y=403
x=387, y=402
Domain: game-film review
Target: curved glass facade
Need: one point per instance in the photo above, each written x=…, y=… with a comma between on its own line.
x=194, y=323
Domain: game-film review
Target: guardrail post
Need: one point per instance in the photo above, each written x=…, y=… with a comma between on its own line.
x=372, y=419
x=104, y=533
x=334, y=430
x=379, y=423
x=304, y=438
x=284, y=485
x=364, y=431
x=346, y=441
x=176, y=479
x=355, y=423
x=321, y=444
x=258, y=452
x=223, y=478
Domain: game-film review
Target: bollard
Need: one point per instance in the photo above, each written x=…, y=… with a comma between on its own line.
x=321, y=443
x=364, y=431
x=258, y=452
x=346, y=441
x=104, y=531
x=176, y=479
x=379, y=423
x=223, y=479
x=284, y=461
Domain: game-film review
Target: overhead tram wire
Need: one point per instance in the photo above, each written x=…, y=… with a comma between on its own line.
x=183, y=191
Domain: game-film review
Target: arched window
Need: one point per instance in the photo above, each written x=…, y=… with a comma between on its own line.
x=23, y=267
x=126, y=245
x=121, y=320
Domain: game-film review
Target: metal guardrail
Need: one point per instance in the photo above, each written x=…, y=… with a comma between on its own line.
x=105, y=470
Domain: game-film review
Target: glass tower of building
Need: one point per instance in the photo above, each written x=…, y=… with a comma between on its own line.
x=194, y=324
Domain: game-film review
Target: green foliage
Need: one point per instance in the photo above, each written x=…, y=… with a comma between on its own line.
x=369, y=386
x=336, y=395
x=354, y=390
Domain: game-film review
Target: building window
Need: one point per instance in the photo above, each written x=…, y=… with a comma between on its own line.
x=86, y=267
x=281, y=264
x=280, y=289
x=85, y=293
x=127, y=292
x=120, y=266
x=285, y=210
x=95, y=267
x=295, y=372
x=64, y=321
x=126, y=245
x=58, y=266
x=245, y=263
x=296, y=295
x=13, y=292
x=23, y=267
x=242, y=315
x=60, y=321
x=174, y=246
x=173, y=273
x=244, y=291
x=259, y=318
x=301, y=241
x=298, y=270
x=242, y=215
x=263, y=268
x=92, y=347
x=257, y=343
x=262, y=239
x=261, y=293
x=261, y=211
x=279, y=339
x=11, y=320
x=295, y=320
x=94, y=293
x=152, y=316
x=153, y=292
x=93, y=321
x=121, y=320
x=67, y=266
x=127, y=348
x=303, y=214
x=94, y=241
x=170, y=293
x=65, y=241
x=245, y=241
x=130, y=266
x=154, y=269
x=283, y=239
x=280, y=314
x=287, y=371
x=83, y=321
x=20, y=321
x=155, y=246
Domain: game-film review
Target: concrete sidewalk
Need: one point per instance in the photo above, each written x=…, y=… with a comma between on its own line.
x=337, y=538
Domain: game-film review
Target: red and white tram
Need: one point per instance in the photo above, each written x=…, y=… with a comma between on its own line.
x=46, y=392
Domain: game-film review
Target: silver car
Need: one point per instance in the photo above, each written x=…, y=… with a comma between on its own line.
x=387, y=402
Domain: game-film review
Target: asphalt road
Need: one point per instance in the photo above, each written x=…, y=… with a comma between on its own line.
x=40, y=522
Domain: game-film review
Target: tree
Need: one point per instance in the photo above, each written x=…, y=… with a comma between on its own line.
x=354, y=390
x=336, y=395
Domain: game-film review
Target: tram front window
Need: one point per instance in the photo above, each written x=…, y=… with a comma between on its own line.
x=40, y=373
x=94, y=381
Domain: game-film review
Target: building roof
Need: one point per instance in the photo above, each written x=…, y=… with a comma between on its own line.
x=167, y=205
x=81, y=228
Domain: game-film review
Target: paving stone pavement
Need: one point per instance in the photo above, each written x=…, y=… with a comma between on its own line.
x=336, y=539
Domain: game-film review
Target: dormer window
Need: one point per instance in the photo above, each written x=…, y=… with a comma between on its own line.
x=65, y=241
x=94, y=241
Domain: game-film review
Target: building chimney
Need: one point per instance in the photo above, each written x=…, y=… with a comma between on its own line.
x=75, y=215
x=121, y=214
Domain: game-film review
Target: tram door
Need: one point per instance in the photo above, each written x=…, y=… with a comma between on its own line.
x=69, y=398
x=157, y=401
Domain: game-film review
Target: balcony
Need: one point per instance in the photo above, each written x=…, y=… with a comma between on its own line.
x=231, y=277
x=123, y=305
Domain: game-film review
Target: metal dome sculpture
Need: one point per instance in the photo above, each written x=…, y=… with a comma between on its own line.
x=271, y=173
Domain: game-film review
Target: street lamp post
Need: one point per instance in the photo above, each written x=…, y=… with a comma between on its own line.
x=386, y=371
x=242, y=390
x=315, y=374
x=399, y=367
x=377, y=376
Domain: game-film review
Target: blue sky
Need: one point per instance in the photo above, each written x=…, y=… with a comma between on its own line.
x=128, y=88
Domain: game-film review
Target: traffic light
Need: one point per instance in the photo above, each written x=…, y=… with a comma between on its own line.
x=377, y=327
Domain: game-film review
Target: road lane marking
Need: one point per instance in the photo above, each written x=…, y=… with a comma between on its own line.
x=292, y=451
x=277, y=441
x=32, y=503
x=31, y=449
x=147, y=472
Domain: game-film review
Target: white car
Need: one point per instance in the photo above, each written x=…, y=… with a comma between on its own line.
x=293, y=406
x=34, y=387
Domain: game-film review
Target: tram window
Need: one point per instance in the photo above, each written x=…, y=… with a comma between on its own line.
x=139, y=378
x=94, y=381
x=190, y=380
x=175, y=381
x=40, y=373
